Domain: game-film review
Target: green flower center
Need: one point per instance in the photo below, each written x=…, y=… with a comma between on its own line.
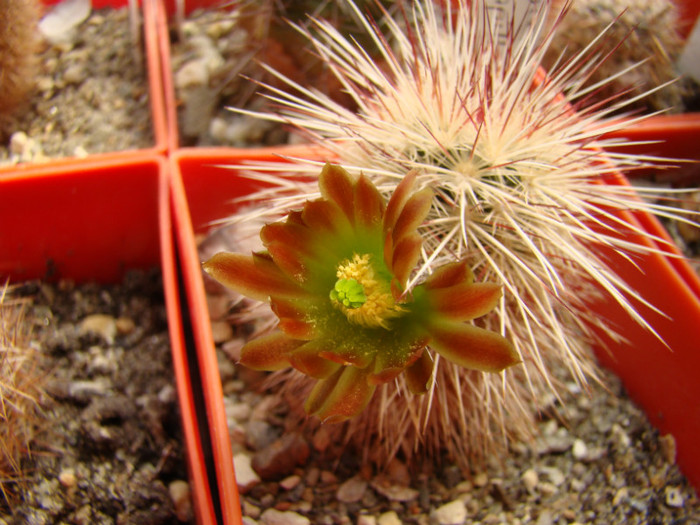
x=349, y=293
x=363, y=297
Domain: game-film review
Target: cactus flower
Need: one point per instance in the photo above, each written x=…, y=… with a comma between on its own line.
x=335, y=274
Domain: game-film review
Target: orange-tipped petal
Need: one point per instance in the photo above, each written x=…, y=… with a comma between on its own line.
x=420, y=374
x=294, y=320
x=472, y=347
x=337, y=186
x=320, y=392
x=413, y=214
x=298, y=237
x=449, y=275
x=324, y=216
x=405, y=257
x=307, y=361
x=270, y=352
x=398, y=200
x=369, y=204
x=256, y=277
x=289, y=260
x=465, y=302
x=345, y=395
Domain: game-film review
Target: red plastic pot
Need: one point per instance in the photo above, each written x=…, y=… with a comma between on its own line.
x=660, y=378
x=93, y=222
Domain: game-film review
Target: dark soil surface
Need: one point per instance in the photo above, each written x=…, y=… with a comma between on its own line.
x=111, y=450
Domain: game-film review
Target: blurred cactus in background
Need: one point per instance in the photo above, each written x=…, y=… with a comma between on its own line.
x=19, y=41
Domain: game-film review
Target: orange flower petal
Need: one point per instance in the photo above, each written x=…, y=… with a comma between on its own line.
x=413, y=214
x=449, y=275
x=341, y=396
x=405, y=257
x=398, y=200
x=369, y=204
x=293, y=319
x=337, y=186
x=307, y=361
x=297, y=236
x=323, y=216
x=289, y=260
x=472, y=347
x=465, y=301
x=256, y=277
x=270, y=352
x=419, y=374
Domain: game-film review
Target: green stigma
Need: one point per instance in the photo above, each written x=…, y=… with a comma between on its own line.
x=349, y=293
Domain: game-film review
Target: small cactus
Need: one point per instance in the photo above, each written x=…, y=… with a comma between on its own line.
x=20, y=388
x=19, y=41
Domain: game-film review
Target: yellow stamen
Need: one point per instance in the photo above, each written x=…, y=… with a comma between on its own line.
x=379, y=306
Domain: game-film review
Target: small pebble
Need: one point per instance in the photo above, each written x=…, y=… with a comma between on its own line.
x=192, y=73
x=545, y=518
x=579, y=450
x=621, y=496
x=452, y=513
x=668, y=448
x=221, y=331
x=364, y=519
x=281, y=457
x=124, y=325
x=18, y=143
x=481, y=479
x=389, y=518
x=555, y=475
x=276, y=517
x=530, y=479
x=393, y=492
x=246, y=477
x=67, y=478
x=290, y=482
x=352, y=490
x=547, y=488
x=102, y=325
x=182, y=501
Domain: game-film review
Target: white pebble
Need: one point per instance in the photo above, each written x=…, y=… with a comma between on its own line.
x=530, y=479
x=102, y=325
x=221, y=331
x=364, y=519
x=18, y=142
x=180, y=495
x=276, y=517
x=246, y=477
x=192, y=73
x=579, y=450
x=452, y=513
x=389, y=518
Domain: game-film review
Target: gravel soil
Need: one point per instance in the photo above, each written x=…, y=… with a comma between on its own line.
x=111, y=448
x=89, y=97
x=596, y=460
